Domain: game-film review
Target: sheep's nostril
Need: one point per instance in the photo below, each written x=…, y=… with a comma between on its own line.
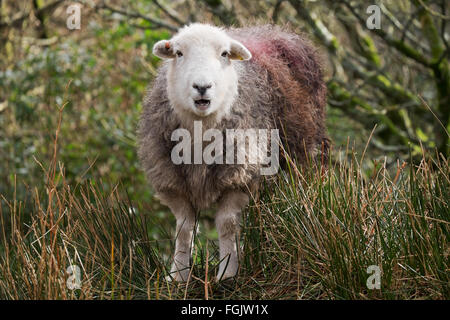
x=201, y=89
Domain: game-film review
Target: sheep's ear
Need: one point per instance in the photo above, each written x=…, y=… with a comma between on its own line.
x=163, y=49
x=239, y=52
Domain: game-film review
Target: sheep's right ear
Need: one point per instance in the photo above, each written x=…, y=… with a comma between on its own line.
x=163, y=49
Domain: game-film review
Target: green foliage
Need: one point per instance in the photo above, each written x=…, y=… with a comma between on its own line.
x=72, y=192
x=312, y=235
x=104, y=82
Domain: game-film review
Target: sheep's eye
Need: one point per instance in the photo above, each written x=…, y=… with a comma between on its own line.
x=179, y=54
x=225, y=54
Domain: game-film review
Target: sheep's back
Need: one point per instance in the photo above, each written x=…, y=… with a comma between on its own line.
x=296, y=78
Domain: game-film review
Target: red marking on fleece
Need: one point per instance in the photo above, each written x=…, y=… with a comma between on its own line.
x=294, y=70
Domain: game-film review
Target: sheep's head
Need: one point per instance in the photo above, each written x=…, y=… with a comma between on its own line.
x=201, y=78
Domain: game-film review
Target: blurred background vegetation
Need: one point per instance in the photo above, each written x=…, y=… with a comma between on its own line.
x=396, y=77
x=391, y=84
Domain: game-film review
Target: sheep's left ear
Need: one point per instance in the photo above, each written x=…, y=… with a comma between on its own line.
x=239, y=52
x=163, y=49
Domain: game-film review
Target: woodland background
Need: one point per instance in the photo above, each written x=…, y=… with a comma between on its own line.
x=69, y=106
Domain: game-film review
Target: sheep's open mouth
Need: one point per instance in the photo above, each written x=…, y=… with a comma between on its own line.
x=202, y=104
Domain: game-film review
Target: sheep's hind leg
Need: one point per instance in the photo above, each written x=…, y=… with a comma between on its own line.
x=185, y=216
x=227, y=223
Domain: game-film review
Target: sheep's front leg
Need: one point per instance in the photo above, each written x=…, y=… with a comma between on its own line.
x=227, y=223
x=185, y=216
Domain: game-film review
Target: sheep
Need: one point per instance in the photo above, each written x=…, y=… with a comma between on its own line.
x=261, y=77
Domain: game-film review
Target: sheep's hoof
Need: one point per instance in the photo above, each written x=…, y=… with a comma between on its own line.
x=225, y=276
x=227, y=270
x=178, y=276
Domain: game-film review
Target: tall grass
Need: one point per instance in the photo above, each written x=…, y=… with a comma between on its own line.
x=320, y=232
x=311, y=234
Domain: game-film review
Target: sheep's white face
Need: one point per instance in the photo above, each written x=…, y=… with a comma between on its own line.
x=201, y=77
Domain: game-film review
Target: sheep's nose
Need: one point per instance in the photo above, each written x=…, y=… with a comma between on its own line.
x=201, y=89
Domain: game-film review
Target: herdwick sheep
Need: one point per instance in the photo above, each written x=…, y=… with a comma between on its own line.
x=261, y=77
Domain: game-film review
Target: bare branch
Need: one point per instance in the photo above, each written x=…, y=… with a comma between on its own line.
x=172, y=15
x=399, y=45
x=276, y=10
x=443, y=27
x=432, y=12
x=17, y=22
x=136, y=15
x=227, y=16
x=406, y=34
